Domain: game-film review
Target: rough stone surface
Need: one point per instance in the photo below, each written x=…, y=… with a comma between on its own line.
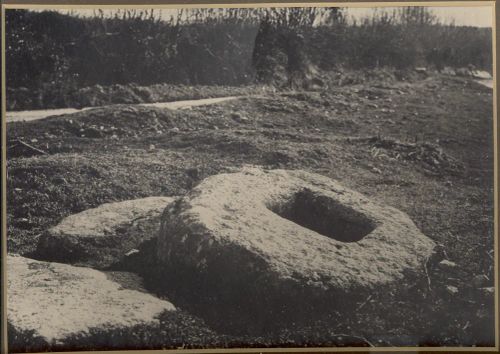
x=278, y=234
x=57, y=303
x=102, y=236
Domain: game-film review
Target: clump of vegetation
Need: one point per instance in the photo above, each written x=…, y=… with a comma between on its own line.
x=404, y=38
x=196, y=47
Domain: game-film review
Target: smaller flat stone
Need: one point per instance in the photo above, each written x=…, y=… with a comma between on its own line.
x=57, y=302
x=103, y=236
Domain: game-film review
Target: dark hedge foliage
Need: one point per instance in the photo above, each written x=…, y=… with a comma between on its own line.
x=230, y=47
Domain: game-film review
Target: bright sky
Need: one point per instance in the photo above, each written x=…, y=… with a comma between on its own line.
x=478, y=16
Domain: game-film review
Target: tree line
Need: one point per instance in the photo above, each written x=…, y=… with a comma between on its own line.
x=227, y=46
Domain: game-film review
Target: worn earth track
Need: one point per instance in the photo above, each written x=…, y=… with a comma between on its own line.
x=26, y=116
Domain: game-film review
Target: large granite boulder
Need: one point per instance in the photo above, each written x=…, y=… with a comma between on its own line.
x=53, y=304
x=275, y=243
x=105, y=235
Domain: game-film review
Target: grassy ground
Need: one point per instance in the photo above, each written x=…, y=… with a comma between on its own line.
x=424, y=147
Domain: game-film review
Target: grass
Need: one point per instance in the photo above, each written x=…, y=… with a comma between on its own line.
x=424, y=147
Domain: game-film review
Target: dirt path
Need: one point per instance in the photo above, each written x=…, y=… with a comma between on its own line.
x=19, y=116
x=487, y=83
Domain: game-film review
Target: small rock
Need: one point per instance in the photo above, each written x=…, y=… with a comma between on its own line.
x=483, y=75
x=175, y=130
x=452, y=290
x=487, y=292
x=447, y=265
x=151, y=147
x=34, y=140
x=238, y=117
x=131, y=252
